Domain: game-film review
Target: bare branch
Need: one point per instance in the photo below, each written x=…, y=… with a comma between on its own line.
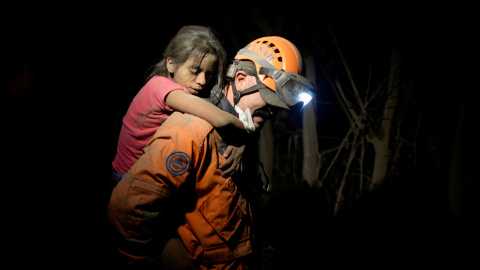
x=347, y=70
x=340, y=148
x=346, y=105
x=345, y=174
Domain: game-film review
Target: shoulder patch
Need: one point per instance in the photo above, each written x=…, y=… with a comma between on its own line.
x=178, y=163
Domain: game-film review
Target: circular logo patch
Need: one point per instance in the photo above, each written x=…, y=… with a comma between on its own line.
x=178, y=163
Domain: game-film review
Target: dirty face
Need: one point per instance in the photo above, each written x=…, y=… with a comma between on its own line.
x=191, y=75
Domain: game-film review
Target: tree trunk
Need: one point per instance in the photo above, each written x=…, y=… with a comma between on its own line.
x=310, y=143
x=380, y=139
x=463, y=181
x=380, y=164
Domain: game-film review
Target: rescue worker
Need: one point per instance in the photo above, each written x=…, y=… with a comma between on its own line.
x=173, y=209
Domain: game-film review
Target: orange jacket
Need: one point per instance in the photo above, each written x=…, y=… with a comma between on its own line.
x=179, y=171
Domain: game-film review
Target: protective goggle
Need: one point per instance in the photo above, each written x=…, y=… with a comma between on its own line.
x=290, y=87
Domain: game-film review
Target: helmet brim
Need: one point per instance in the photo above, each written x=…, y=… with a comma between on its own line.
x=272, y=99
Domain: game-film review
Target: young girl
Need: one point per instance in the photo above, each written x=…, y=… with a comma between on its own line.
x=192, y=58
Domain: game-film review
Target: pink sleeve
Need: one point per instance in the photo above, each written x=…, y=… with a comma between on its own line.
x=161, y=87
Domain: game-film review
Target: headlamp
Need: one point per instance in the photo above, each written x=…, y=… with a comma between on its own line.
x=290, y=87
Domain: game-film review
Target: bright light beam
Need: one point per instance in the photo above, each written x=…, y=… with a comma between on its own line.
x=305, y=98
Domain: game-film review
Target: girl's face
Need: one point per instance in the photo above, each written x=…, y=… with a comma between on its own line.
x=193, y=78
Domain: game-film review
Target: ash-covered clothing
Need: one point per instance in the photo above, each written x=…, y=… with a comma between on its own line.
x=177, y=185
x=146, y=113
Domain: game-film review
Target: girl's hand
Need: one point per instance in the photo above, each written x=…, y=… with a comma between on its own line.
x=233, y=164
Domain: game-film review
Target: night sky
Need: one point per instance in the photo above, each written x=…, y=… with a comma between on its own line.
x=90, y=61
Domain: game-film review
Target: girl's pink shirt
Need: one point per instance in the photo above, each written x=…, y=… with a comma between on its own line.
x=146, y=114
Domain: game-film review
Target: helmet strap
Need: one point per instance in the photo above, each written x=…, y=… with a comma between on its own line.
x=237, y=95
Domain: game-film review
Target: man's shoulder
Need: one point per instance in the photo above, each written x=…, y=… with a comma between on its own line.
x=187, y=123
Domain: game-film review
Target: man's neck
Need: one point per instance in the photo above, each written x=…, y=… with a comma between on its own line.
x=228, y=92
x=223, y=99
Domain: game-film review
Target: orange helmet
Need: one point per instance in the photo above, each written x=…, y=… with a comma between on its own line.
x=279, y=52
x=278, y=63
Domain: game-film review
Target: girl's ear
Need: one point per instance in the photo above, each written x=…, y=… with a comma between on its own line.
x=170, y=65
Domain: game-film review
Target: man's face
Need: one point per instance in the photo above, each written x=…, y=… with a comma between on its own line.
x=259, y=109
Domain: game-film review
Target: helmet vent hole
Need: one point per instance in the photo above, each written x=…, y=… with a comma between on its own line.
x=276, y=51
x=279, y=59
x=271, y=45
x=265, y=42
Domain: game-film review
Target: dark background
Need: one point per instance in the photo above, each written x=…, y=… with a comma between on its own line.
x=90, y=61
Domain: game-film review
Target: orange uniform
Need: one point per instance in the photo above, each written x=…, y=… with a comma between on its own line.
x=178, y=182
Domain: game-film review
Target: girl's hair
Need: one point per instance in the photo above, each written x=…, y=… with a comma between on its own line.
x=193, y=41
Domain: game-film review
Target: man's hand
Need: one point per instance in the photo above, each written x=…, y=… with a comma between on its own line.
x=233, y=154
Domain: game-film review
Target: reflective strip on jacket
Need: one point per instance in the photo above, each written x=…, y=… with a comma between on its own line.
x=179, y=171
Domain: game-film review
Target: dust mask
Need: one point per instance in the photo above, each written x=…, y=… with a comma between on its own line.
x=246, y=116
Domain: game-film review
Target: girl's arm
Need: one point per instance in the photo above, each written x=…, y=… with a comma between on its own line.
x=178, y=100
x=227, y=125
